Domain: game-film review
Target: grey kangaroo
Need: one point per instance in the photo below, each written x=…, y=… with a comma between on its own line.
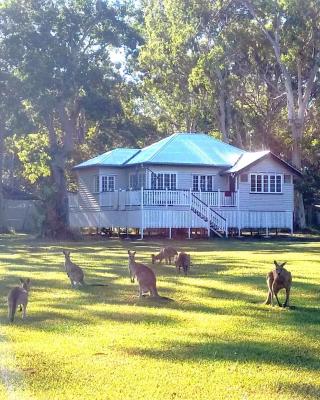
x=278, y=279
x=75, y=273
x=166, y=253
x=182, y=260
x=18, y=296
x=145, y=276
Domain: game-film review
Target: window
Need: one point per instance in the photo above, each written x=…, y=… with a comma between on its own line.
x=203, y=183
x=107, y=183
x=244, y=178
x=164, y=181
x=266, y=183
x=137, y=181
x=96, y=188
x=195, y=183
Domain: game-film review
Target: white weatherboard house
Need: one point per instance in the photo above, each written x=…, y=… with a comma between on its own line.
x=187, y=180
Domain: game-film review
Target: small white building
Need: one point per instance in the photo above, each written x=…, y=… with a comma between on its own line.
x=187, y=180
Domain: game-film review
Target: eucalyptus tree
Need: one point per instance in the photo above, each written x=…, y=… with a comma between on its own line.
x=292, y=29
x=166, y=59
x=60, y=52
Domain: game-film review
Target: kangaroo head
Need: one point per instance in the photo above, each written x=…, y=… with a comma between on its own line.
x=25, y=283
x=132, y=255
x=66, y=253
x=279, y=266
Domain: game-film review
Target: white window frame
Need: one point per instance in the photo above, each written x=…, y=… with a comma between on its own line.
x=263, y=176
x=110, y=187
x=96, y=184
x=199, y=182
x=163, y=173
x=140, y=181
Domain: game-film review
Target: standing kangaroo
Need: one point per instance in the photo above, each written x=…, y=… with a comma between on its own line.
x=166, y=253
x=18, y=296
x=145, y=276
x=74, y=272
x=182, y=260
x=278, y=279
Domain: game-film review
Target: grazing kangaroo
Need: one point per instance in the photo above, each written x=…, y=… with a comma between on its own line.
x=278, y=279
x=18, y=296
x=145, y=276
x=182, y=260
x=166, y=253
x=75, y=273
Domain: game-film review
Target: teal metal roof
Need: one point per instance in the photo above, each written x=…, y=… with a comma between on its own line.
x=188, y=149
x=115, y=158
x=247, y=159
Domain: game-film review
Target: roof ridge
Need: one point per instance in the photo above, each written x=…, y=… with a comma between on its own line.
x=241, y=155
x=170, y=138
x=133, y=156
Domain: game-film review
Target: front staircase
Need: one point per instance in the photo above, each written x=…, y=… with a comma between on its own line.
x=216, y=222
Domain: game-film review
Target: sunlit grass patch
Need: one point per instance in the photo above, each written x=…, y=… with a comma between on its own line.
x=215, y=340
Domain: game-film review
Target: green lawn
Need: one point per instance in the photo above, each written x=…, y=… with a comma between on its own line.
x=216, y=340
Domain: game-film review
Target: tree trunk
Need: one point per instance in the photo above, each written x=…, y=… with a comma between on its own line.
x=222, y=116
x=55, y=201
x=299, y=211
x=222, y=106
x=3, y=222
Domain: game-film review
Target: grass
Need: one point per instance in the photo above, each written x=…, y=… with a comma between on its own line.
x=216, y=340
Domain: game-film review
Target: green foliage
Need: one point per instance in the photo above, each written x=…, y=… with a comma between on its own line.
x=32, y=151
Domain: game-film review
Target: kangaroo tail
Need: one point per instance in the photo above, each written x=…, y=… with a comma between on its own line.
x=12, y=309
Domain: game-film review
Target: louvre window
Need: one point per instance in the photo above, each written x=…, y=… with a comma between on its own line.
x=107, y=183
x=266, y=183
x=137, y=181
x=164, y=181
x=96, y=188
x=203, y=183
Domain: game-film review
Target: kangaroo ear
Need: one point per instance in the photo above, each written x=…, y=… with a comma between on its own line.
x=129, y=252
x=275, y=263
x=283, y=264
x=134, y=253
x=28, y=280
x=21, y=280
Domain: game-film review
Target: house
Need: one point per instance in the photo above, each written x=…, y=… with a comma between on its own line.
x=187, y=180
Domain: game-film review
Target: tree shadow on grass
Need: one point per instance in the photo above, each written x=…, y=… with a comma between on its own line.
x=275, y=353
x=304, y=390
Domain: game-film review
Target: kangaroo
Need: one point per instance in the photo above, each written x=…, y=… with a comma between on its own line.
x=166, y=253
x=145, y=276
x=75, y=273
x=18, y=296
x=278, y=279
x=182, y=260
